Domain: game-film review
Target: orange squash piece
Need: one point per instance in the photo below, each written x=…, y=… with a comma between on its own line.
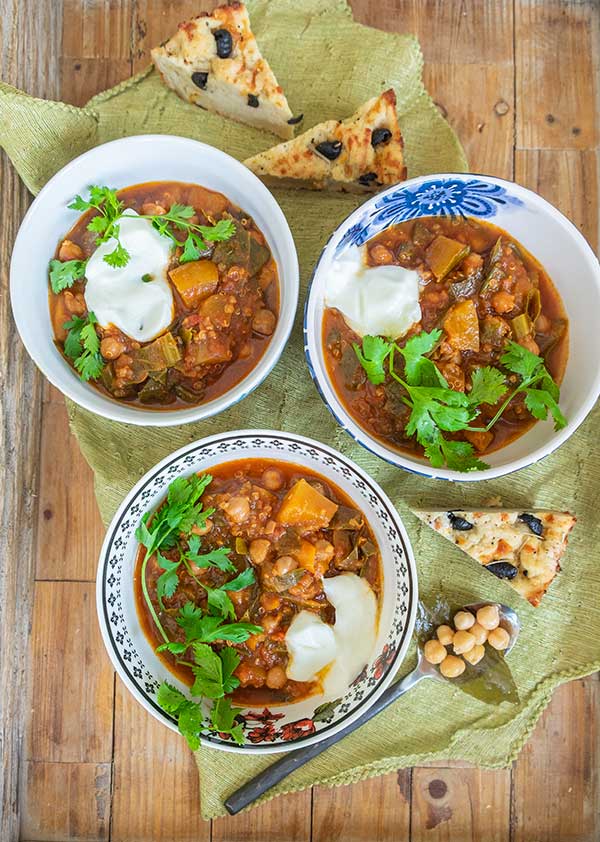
x=304, y=506
x=195, y=280
x=462, y=326
x=305, y=555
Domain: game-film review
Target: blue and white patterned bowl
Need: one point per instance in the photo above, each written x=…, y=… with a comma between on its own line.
x=279, y=727
x=545, y=232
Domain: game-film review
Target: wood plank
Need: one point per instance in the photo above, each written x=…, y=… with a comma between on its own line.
x=568, y=179
x=484, y=121
x=461, y=33
x=29, y=63
x=286, y=819
x=557, y=62
x=556, y=777
x=377, y=810
x=460, y=805
x=66, y=801
x=154, y=21
x=155, y=794
x=72, y=678
x=69, y=529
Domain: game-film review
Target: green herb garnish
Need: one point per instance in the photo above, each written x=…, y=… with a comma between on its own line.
x=436, y=408
x=64, y=274
x=83, y=346
x=190, y=717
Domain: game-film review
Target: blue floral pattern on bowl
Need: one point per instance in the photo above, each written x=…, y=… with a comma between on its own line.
x=438, y=197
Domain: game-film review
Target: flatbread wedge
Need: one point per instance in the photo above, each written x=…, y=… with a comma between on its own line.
x=524, y=548
x=214, y=61
x=361, y=154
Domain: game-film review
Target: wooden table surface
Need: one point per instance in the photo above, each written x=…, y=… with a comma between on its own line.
x=518, y=80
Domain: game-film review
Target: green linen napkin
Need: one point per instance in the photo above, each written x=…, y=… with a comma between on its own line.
x=329, y=66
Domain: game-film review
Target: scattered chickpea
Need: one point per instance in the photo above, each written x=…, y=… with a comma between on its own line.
x=380, y=254
x=474, y=655
x=203, y=530
x=152, y=209
x=463, y=620
x=272, y=479
x=264, y=322
x=276, y=678
x=284, y=564
x=259, y=549
x=499, y=638
x=237, y=509
x=488, y=617
x=479, y=633
x=452, y=667
x=445, y=635
x=434, y=652
x=111, y=347
x=70, y=251
x=463, y=642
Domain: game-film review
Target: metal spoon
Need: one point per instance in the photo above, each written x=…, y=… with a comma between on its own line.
x=293, y=760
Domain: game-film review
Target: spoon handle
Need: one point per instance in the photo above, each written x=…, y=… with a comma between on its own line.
x=293, y=760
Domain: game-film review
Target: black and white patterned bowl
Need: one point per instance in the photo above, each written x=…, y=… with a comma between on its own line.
x=280, y=727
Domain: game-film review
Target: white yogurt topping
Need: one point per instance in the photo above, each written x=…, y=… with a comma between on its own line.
x=142, y=310
x=375, y=300
x=345, y=647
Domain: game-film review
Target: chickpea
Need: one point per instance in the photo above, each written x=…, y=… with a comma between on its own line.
x=153, y=209
x=284, y=564
x=111, y=347
x=503, y=302
x=264, y=322
x=445, y=635
x=499, y=638
x=259, y=549
x=474, y=655
x=272, y=479
x=74, y=303
x=203, y=530
x=488, y=617
x=380, y=254
x=276, y=678
x=463, y=642
x=479, y=633
x=452, y=667
x=270, y=622
x=463, y=620
x=324, y=550
x=69, y=251
x=237, y=509
x=434, y=652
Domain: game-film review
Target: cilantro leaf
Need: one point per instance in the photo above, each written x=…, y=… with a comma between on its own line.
x=170, y=698
x=460, y=456
x=230, y=660
x=193, y=248
x=167, y=582
x=222, y=230
x=220, y=603
x=119, y=257
x=215, y=558
x=207, y=628
x=372, y=356
x=190, y=722
x=173, y=646
x=243, y=580
x=539, y=401
x=487, y=386
x=208, y=672
x=419, y=369
x=223, y=716
x=82, y=345
x=63, y=274
x=521, y=361
x=181, y=212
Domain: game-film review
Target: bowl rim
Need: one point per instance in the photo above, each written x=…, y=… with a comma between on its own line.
x=113, y=409
x=398, y=458
x=373, y=486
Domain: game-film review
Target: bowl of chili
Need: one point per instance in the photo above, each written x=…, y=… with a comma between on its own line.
x=256, y=590
x=163, y=284
x=493, y=370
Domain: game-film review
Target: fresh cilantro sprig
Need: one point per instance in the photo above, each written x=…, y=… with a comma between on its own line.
x=82, y=345
x=436, y=408
x=64, y=274
x=190, y=717
x=110, y=211
x=206, y=628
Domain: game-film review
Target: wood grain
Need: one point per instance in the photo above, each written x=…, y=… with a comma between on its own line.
x=66, y=801
x=557, y=73
x=282, y=820
x=460, y=805
x=377, y=810
x=556, y=778
x=22, y=63
x=71, y=709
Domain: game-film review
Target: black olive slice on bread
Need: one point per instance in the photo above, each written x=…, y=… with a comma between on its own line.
x=214, y=61
x=361, y=154
x=523, y=548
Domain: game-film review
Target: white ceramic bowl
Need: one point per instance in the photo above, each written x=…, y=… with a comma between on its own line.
x=546, y=233
x=120, y=163
x=281, y=727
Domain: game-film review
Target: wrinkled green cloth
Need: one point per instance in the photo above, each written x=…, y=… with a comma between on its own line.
x=328, y=65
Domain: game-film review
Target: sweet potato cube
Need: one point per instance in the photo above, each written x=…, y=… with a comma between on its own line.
x=305, y=555
x=462, y=326
x=304, y=506
x=195, y=280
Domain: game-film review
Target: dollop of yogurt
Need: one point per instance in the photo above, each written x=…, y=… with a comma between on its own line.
x=374, y=300
x=142, y=309
x=338, y=652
